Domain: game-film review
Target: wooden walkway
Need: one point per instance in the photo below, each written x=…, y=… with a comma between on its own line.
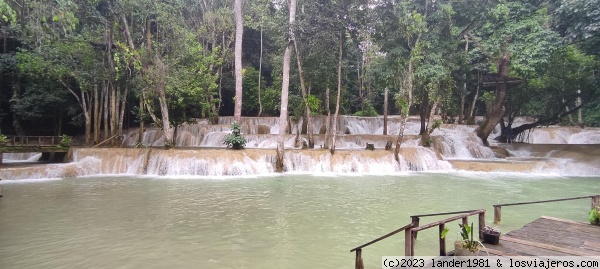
x=549, y=236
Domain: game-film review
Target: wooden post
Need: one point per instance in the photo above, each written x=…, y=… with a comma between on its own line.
x=415, y=223
x=498, y=214
x=481, y=225
x=442, y=240
x=596, y=201
x=409, y=246
x=358, y=263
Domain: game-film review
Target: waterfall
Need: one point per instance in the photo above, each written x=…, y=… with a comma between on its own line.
x=460, y=142
x=220, y=162
x=202, y=153
x=21, y=157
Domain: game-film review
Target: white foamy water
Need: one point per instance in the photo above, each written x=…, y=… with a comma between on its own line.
x=21, y=157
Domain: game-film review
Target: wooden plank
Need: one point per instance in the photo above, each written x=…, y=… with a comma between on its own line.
x=548, y=246
x=517, y=249
x=548, y=236
x=565, y=221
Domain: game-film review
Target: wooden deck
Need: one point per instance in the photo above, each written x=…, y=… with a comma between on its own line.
x=549, y=236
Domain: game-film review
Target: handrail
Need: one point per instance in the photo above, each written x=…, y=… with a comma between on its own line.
x=382, y=237
x=437, y=223
x=410, y=236
x=111, y=138
x=412, y=228
x=498, y=207
x=443, y=213
x=32, y=141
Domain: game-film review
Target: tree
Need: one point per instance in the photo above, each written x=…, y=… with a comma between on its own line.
x=283, y=114
x=513, y=36
x=239, y=33
x=554, y=94
x=71, y=64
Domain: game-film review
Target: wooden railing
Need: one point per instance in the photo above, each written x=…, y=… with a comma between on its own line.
x=498, y=207
x=411, y=230
x=33, y=141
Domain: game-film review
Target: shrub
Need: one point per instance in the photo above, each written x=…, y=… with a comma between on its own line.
x=235, y=140
x=3, y=140
x=65, y=141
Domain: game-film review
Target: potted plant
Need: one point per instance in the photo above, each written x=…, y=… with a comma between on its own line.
x=491, y=235
x=594, y=216
x=466, y=245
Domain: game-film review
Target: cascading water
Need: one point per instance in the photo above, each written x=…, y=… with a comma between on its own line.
x=460, y=142
x=21, y=157
x=456, y=147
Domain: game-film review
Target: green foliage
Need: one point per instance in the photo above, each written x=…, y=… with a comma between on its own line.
x=235, y=139
x=65, y=140
x=7, y=14
x=299, y=109
x=488, y=98
x=594, y=216
x=401, y=101
x=313, y=103
x=367, y=110
x=192, y=84
x=444, y=232
x=3, y=140
x=467, y=239
x=436, y=124
x=569, y=74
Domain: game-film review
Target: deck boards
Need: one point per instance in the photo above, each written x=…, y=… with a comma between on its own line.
x=548, y=236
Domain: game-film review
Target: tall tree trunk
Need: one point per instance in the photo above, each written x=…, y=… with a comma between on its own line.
x=113, y=110
x=283, y=115
x=15, y=97
x=285, y=85
x=385, y=111
x=221, y=75
x=88, y=118
x=327, y=121
x=463, y=94
x=339, y=93
x=426, y=135
x=260, y=108
x=141, y=132
x=471, y=116
x=497, y=109
x=122, y=107
x=161, y=88
x=239, y=33
x=309, y=128
x=105, y=105
x=409, y=85
x=423, y=112
x=579, y=112
x=96, y=115
x=84, y=101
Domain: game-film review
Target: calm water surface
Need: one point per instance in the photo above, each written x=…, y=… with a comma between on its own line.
x=289, y=221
